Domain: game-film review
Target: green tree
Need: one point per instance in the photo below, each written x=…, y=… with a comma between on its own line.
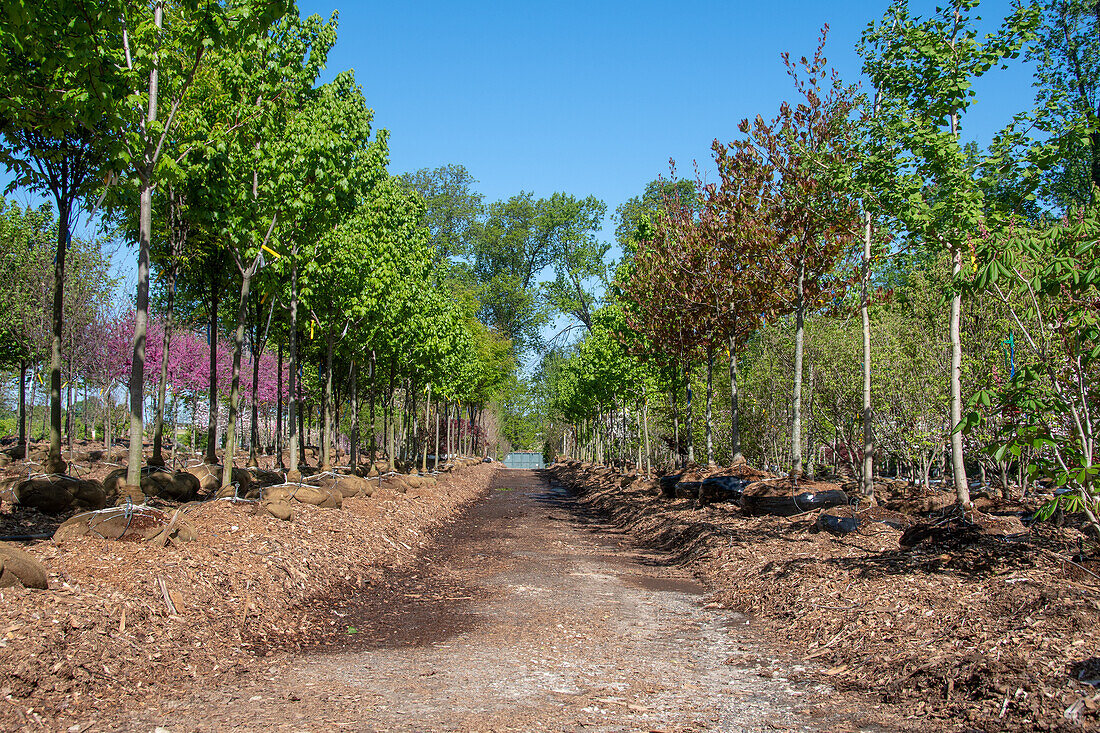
x=55, y=58
x=451, y=207
x=925, y=70
x=1066, y=52
x=322, y=164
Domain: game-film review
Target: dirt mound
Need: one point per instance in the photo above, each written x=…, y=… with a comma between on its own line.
x=259, y=478
x=210, y=478
x=278, y=509
x=785, y=497
x=18, y=566
x=155, y=481
x=55, y=494
x=129, y=524
x=348, y=485
x=318, y=496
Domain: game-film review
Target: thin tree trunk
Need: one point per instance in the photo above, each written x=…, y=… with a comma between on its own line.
x=175, y=429
x=424, y=439
x=373, y=393
x=54, y=463
x=279, y=407
x=235, y=388
x=645, y=424
x=108, y=433
x=145, y=234
x=305, y=422
x=354, y=447
x=799, y=327
x=390, y=417
x=688, y=423
x=735, y=415
x=962, y=489
x=212, y=391
x=810, y=436
x=867, y=486
x=293, y=474
x=675, y=424
x=23, y=407
x=435, y=453
x=326, y=412
x=710, y=406
x=157, y=458
x=254, y=432
x=71, y=400
x=958, y=466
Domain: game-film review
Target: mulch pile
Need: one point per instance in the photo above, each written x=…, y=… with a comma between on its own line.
x=972, y=622
x=122, y=620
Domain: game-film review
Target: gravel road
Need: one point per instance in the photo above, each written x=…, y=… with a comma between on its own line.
x=525, y=615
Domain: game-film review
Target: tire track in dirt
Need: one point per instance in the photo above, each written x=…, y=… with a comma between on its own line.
x=526, y=614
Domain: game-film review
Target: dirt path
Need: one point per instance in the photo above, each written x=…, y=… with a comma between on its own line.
x=526, y=615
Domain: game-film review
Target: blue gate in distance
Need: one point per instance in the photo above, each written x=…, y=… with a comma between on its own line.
x=528, y=459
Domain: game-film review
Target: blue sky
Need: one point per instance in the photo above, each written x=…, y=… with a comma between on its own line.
x=595, y=97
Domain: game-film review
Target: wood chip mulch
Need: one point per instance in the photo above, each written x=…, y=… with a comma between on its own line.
x=122, y=621
x=982, y=624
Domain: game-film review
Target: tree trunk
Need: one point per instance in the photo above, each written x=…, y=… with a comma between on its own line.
x=326, y=412
x=54, y=463
x=137, y=370
x=23, y=408
x=645, y=424
x=194, y=414
x=796, y=408
x=70, y=423
x=390, y=417
x=175, y=428
x=810, y=437
x=254, y=432
x=293, y=474
x=435, y=453
x=212, y=392
x=962, y=489
x=710, y=406
x=354, y=447
x=958, y=466
x=675, y=424
x=279, y=407
x=305, y=421
x=424, y=438
x=688, y=422
x=235, y=388
x=735, y=415
x=108, y=432
x=157, y=458
x=373, y=422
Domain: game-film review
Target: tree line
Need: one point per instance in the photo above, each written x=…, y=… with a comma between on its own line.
x=283, y=274
x=880, y=292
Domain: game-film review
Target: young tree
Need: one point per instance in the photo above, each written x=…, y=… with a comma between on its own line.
x=324, y=160
x=810, y=224
x=925, y=69
x=63, y=101
x=161, y=61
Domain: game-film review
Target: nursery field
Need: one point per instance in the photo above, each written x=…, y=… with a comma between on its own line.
x=304, y=427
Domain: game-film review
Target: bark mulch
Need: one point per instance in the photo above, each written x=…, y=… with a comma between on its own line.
x=123, y=621
x=953, y=622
